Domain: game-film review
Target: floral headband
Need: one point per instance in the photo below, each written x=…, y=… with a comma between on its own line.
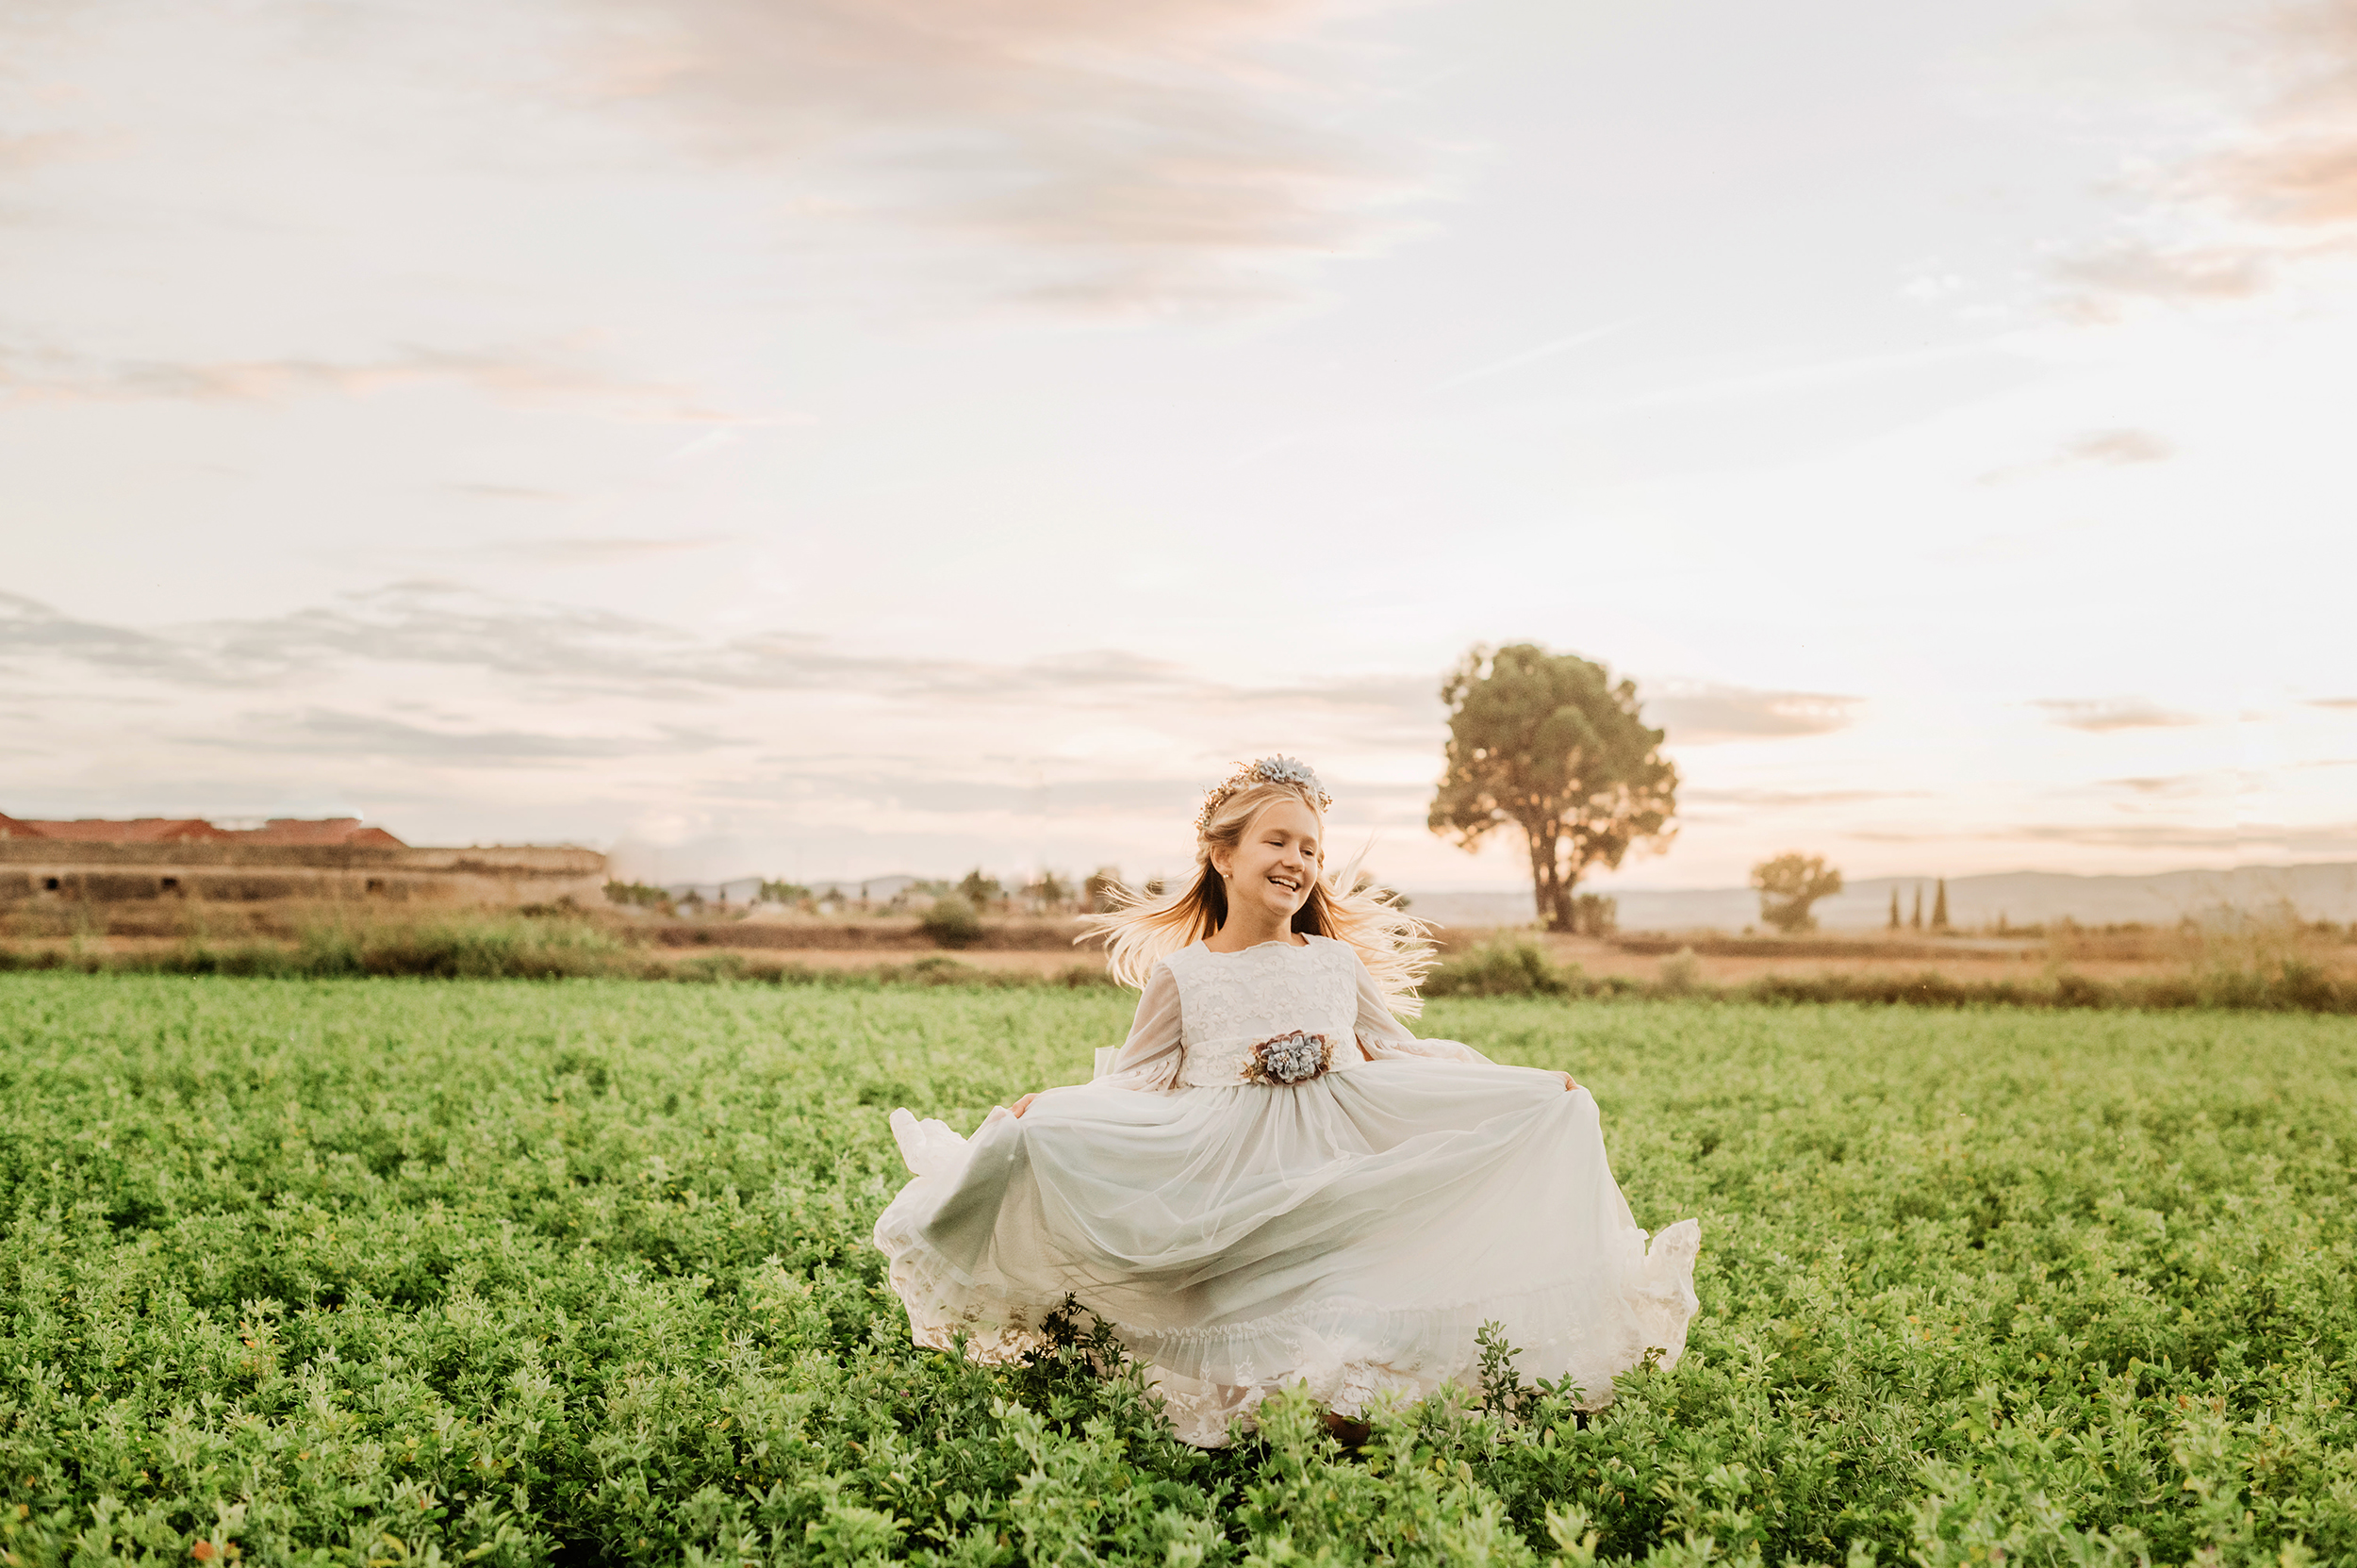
x=1277, y=770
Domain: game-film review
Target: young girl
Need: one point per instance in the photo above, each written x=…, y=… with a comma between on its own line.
x=1274, y=1182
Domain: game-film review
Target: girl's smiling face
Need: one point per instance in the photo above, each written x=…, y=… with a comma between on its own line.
x=1273, y=865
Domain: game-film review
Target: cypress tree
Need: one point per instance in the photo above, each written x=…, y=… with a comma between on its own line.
x=1939, y=907
x=1894, y=906
x=1917, y=921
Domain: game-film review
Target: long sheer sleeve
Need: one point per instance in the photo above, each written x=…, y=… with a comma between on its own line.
x=1150, y=1059
x=1381, y=1035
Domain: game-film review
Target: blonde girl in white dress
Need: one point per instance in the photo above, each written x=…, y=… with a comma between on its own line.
x=1274, y=1182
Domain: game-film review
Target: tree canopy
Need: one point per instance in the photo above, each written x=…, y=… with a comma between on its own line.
x=1792, y=882
x=1547, y=743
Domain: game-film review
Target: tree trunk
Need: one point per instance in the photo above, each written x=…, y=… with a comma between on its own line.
x=1550, y=889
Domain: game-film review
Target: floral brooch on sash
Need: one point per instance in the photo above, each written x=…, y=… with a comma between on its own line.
x=1293, y=1057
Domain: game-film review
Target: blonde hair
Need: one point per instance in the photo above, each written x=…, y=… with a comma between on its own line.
x=1347, y=906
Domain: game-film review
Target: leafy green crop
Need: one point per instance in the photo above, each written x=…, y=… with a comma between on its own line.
x=389, y=1273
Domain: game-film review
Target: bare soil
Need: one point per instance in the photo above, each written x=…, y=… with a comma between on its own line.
x=1046, y=946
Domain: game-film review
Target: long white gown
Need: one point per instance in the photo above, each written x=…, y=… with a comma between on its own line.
x=1353, y=1230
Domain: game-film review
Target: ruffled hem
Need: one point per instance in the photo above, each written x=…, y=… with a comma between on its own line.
x=1346, y=1351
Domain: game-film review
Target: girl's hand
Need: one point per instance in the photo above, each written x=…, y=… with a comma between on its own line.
x=1570, y=1084
x=1024, y=1103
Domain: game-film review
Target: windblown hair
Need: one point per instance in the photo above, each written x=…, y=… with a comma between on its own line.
x=1346, y=905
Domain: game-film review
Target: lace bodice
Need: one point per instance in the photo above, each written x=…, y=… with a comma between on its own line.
x=1203, y=1010
x=1228, y=1002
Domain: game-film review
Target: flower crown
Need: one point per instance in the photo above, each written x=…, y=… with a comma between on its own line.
x=1278, y=769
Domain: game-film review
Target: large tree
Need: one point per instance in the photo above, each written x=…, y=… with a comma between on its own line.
x=1790, y=882
x=1547, y=743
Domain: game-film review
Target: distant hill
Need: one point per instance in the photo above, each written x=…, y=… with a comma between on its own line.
x=2318, y=892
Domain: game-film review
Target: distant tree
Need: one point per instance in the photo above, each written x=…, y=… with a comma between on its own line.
x=1048, y=891
x=1894, y=906
x=1939, y=907
x=639, y=895
x=1099, y=892
x=1916, y=919
x=1155, y=887
x=1789, y=884
x=774, y=892
x=978, y=890
x=1547, y=743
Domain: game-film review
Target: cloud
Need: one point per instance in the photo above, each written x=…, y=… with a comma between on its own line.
x=1704, y=714
x=555, y=378
x=2109, y=447
x=1797, y=797
x=2183, y=783
x=2118, y=446
x=328, y=732
x=1139, y=155
x=504, y=492
x=591, y=551
x=2278, y=188
x=2101, y=714
x=578, y=652
x=2332, y=702
x=29, y=627
x=35, y=149
x=2321, y=838
x=2101, y=283
x=2296, y=165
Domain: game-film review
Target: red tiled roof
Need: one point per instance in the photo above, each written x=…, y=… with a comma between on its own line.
x=326, y=830
x=194, y=830
x=138, y=830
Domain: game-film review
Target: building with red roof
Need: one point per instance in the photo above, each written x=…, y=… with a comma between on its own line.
x=101, y=860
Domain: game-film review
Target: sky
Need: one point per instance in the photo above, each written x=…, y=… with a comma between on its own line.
x=834, y=437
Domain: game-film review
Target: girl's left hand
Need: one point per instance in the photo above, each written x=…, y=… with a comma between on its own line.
x=1024, y=1103
x=1570, y=1084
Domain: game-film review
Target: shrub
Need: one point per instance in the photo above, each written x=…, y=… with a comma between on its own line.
x=951, y=923
x=1681, y=973
x=1504, y=968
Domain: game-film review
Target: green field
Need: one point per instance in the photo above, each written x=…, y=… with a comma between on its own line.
x=394, y=1272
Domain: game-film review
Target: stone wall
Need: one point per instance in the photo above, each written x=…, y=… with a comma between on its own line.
x=34, y=871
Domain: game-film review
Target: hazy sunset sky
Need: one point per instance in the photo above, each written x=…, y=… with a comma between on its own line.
x=836, y=439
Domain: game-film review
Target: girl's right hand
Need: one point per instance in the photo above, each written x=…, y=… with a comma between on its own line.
x=1570, y=1084
x=1024, y=1103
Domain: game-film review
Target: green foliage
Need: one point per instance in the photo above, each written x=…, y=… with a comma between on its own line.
x=638, y=894
x=1548, y=744
x=1504, y=968
x=1681, y=973
x=978, y=889
x=379, y=1272
x=951, y=923
x=1790, y=884
x=775, y=891
x=1101, y=893
x=1519, y=968
x=1048, y=890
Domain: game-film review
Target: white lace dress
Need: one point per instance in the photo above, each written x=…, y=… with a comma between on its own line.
x=1352, y=1231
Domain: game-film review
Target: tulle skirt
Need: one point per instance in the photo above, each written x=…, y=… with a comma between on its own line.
x=1352, y=1233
